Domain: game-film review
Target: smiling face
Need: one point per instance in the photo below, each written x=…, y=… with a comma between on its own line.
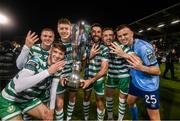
x=47, y=38
x=96, y=33
x=57, y=53
x=64, y=31
x=125, y=36
x=108, y=36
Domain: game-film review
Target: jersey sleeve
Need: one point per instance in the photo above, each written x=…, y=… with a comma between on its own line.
x=32, y=65
x=148, y=56
x=23, y=57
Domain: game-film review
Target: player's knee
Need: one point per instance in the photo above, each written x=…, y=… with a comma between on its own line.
x=100, y=105
x=130, y=102
x=60, y=105
x=72, y=98
x=155, y=117
x=44, y=114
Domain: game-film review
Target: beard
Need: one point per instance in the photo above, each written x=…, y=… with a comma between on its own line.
x=96, y=39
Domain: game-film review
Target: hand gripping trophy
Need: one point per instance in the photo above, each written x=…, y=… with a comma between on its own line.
x=78, y=42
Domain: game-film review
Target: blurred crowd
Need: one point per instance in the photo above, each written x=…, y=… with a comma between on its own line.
x=168, y=57
x=9, y=51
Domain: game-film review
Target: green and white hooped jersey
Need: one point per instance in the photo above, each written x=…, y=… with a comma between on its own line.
x=95, y=63
x=37, y=50
x=68, y=57
x=37, y=65
x=117, y=68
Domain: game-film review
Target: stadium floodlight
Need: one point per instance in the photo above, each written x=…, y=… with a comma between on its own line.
x=149, y=28
x=161, y=25
x=140, y=31
x=175, y=21
x=3, y=19
x=82, y=22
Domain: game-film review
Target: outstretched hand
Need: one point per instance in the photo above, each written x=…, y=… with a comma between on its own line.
x=135, y=62
x=94, y=50
x=31, y=38
x=116, y=49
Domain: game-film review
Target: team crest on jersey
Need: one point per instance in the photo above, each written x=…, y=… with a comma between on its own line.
x=32, y=63
x=151, y=57
x=148, y=51
x=11, y=109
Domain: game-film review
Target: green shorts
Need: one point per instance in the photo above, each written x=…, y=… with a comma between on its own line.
x=45, y=96
x=121, y=83
x=9, y=109
x=98, y=86
x=60, y=89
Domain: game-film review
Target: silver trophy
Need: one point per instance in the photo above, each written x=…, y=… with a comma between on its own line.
x=78, y=41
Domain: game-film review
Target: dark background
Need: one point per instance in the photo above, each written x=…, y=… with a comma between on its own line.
x=34, y=14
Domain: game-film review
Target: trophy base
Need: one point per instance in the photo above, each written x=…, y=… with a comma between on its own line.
x=73, y=85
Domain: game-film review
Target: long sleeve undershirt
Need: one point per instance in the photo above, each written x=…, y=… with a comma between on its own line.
x=27, y=79
x=23, y=57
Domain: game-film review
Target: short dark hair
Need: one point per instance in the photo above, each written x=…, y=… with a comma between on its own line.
x=47, y=29
x=107, y=28
x=64, y=21
x=60, y=46
x=96, y=25
x=122, y=26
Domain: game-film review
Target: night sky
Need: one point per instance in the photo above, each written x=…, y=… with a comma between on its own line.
x=36, y=14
